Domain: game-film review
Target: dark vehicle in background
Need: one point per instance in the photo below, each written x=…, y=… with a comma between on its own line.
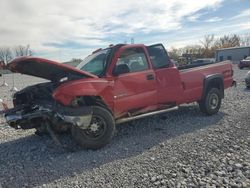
x=197, y=62
x=204, y=61
x=247, y=80
x=244, y=63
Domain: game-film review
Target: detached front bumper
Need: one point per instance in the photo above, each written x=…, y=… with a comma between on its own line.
x=28, y=117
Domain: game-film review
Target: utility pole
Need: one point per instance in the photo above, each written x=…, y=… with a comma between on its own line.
x=132, y=40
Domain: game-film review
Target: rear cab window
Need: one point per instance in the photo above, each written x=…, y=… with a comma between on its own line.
x=158, y=56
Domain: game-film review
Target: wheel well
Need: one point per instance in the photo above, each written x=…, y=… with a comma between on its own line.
x=214, y=81
x=91, y=101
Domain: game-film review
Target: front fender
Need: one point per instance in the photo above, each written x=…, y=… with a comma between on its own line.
x=65, y=93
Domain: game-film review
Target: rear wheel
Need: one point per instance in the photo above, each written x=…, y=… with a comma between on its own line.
x=98, y=133
x=211, y=103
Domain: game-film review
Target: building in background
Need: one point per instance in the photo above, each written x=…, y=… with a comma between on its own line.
x=234, y=54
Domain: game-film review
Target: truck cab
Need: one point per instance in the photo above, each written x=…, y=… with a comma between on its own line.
x=143, y=77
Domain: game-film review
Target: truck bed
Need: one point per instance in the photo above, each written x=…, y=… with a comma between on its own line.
x=192, y=78
x=194, y=65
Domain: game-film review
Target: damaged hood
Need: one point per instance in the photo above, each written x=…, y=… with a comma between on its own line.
x=46, y=69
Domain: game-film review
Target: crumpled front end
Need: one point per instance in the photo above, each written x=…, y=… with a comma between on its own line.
x=35, y=116
x=34, y=107
x=27, y=117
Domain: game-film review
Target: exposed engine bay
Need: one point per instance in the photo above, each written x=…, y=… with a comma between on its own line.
x=35, y=94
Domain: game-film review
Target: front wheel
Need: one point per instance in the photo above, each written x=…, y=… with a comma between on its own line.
x=211, y=103
x=98, y=133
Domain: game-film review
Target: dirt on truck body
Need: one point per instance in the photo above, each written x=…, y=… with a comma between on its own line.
x=111, y=86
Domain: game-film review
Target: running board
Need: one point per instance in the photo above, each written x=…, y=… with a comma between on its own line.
x=123, y=120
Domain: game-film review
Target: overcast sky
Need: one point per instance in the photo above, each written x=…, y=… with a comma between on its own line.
x=63, y=29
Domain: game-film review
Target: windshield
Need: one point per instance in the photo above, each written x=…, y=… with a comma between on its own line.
x=95, y=63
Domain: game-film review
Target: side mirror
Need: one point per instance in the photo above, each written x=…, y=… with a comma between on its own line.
x=121, y=69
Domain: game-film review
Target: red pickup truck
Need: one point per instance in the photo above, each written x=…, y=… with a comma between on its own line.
x=111, y=86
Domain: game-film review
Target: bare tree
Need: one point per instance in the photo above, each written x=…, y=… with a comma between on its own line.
x=208, y=46
x=193, y=49
x=5, y=54
x=227, y=41
x=76, y=60
x=175, y=53
x=207, y=41
x=21, y=50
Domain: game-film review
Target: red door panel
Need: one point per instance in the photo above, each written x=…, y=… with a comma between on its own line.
x=133, y=91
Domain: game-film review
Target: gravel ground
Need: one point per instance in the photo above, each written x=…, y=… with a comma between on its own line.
x=182, y=148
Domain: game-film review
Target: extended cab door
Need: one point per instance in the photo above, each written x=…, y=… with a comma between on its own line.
x=168, y=81
x=134, y=82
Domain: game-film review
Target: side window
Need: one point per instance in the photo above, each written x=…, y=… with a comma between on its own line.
x=158, y=56
x=229, y=57
x=221, y=58
x=133, y=60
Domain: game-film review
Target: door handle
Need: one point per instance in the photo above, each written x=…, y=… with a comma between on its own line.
x=150, y=77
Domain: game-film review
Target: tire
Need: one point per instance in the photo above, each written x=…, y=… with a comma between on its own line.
x=100, y=134
x=211, y=103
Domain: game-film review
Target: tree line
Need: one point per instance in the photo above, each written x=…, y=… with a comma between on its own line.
x=207, y=46
x=8, y=53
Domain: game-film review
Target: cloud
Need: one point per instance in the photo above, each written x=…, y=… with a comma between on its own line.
x=194, y=17
x=242, y=14
x=244, y=26
x=214, y=19
x=65, y=25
